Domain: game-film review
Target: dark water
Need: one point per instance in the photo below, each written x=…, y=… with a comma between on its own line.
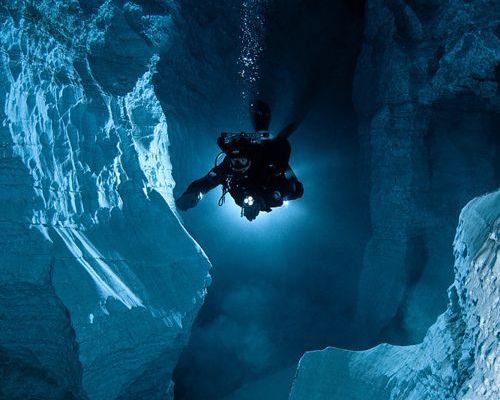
x=285, y=283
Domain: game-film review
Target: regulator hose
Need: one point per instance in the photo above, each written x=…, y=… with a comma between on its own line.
x=216, y=163
x=225, y=190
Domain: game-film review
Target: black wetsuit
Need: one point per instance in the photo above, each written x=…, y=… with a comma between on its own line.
x=256, y=168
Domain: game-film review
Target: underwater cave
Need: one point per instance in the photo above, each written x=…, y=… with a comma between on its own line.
x=379, y=282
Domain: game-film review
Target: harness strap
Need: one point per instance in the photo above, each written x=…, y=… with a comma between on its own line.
x=225, y=190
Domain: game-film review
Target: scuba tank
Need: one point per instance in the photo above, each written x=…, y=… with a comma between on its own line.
x=227, y=138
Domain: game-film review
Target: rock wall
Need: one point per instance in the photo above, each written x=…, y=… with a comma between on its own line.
x=197, y=84
x=459, y=356
x=100, y=282
x=426, y=90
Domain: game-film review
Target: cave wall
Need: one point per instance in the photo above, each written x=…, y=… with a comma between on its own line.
x=459, y=354
x=100, y=282
x=197, y=84
x=426, y=90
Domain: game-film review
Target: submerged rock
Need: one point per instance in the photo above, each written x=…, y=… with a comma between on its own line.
x=426, y=90
x=99, y=281
x=459, y=357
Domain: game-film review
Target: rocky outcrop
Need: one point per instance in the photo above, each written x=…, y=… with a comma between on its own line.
x=99, y=280
x=426, y=90
x=459, y=356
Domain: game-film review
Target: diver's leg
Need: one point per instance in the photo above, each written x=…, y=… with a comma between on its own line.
x=281, y=151
x=261, y=115
x=295, y=190
x=292, y=188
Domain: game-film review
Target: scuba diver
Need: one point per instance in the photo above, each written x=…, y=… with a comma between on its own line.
x=255, y=170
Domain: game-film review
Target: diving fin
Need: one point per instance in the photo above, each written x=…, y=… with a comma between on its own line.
x=260, y=114
x=289, y=129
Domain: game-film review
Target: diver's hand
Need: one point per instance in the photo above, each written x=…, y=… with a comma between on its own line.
x=251, y=211
x=187, y=200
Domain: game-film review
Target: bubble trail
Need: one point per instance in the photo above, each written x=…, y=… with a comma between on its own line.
x=251, y=36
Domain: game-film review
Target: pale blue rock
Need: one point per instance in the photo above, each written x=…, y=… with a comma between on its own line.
x=100, y=282
x=459, y=357
x=426, y=91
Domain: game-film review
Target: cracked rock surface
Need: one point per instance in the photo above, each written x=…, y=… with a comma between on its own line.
x=458, y=358
x=427, y=93
x=100, y=282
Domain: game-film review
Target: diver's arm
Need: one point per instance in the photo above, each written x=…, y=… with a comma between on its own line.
x=203, y=185
x=277, y=151
x=192, y=195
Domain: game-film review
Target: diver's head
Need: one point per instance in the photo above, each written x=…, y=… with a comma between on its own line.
x=240, y=163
